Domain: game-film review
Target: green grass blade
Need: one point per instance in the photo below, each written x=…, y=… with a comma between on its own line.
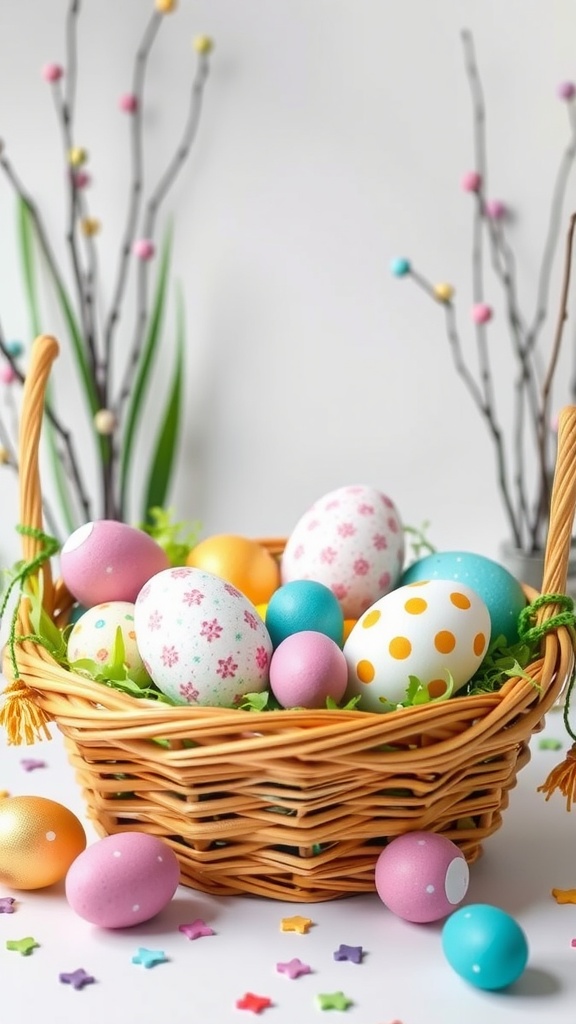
x=164, y=454
x=136, y=403
x=26, y=244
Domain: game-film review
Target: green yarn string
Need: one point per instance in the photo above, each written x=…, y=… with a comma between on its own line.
x=22, y=572
x=531, y=634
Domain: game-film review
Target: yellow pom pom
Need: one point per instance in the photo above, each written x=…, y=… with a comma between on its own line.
x=166, y=6
x=203, y=44
x=443, y=292
x=77, y=156
x=105, y=422
x=90, y=226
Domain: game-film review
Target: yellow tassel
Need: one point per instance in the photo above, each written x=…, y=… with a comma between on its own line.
x=563, y=777
x=22, y=719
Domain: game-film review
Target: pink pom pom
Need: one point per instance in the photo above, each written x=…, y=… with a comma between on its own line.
x=481, y=313
x=128, y=103
x=81, y=179
x=7, y=374
x=52, y=72
x=566, y=90
x=143, y=248
x=495, y=209
x=472, y=181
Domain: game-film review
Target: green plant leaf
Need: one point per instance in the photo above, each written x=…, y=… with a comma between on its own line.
x=145, y=364
x=163, y=458
x=176, y=539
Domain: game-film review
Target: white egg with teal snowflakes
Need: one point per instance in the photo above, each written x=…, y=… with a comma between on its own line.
x=436, y=632
x=94, y=638
x=202, y=641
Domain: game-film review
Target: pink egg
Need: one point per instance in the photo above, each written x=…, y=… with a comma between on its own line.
x=306, y=668
x=122, y=880
x=421, y=876
x=109, y=561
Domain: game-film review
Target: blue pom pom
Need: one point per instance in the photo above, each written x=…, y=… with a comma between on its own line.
x=15, y=348
x=400, y=266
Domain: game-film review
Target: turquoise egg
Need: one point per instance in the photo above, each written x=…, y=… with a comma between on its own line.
x=304, y=605
x=501, y=592
x=485, y=946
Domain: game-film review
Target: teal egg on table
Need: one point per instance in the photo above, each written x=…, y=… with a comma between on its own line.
x=501, y=592
x=485, y=946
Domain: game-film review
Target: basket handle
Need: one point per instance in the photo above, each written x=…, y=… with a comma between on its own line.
x=562, y=506
x=44, y=350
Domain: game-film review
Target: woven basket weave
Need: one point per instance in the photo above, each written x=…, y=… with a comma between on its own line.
x=293, y=805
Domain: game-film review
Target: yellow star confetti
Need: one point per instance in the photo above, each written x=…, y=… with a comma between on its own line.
x=564, y=895
x=296, y=924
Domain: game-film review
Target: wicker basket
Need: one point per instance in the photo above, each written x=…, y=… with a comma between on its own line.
x=293, y=805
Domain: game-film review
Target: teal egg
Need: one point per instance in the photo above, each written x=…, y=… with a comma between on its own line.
x=501, y=592
x=485, y=946
x=304, y=605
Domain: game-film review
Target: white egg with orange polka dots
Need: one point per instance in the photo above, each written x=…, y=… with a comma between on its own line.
x=431, y=630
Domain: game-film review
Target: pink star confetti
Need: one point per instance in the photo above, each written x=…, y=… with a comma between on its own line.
x=196, y=929
x=293, y=968
x=7, y=904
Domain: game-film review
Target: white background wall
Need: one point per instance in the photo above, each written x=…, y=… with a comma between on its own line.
x=334, y=137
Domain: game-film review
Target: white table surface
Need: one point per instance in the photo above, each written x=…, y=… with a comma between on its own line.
x=403, y=977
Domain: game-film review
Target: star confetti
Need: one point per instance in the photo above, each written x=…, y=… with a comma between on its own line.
x=196, y=929
x=77, y=978
x=564, y=895
x=252, y=1002
x=293, y=968
x=333, y=1001
x=149, y=957
x=30, y=764
x=352, y=953
x=7, y=904
x=296, y=924
x=23, y=946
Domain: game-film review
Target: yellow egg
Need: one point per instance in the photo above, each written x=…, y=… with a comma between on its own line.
x=240, y=561
x=39, y=839
x=348, y=627
x=261, y=609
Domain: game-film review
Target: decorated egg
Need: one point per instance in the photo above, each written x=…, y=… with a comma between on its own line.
x=109, y=561
x=307, y=668
x=485, y=946
x=122, y=880
x=432, y=631
x=304, y=605
x=352, y=541
x=241, y=561
x=39, y=839
x=201, y=640
x=94, y=637
x=501, y=592
x=421, y=876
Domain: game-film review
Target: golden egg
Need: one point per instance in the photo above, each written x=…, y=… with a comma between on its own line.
x=240, y=561
x=348, y=627
x=39, y=839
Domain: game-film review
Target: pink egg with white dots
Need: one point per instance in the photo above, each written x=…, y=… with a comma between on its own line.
x=421, y=876
x=109, y=561
x=122, y=880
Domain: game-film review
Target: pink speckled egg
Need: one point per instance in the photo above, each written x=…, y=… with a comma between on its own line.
x=421, y=876
x=306, y=668
x=201, y=640
x=122, y=880
x=352, y=541
x=109, y=561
